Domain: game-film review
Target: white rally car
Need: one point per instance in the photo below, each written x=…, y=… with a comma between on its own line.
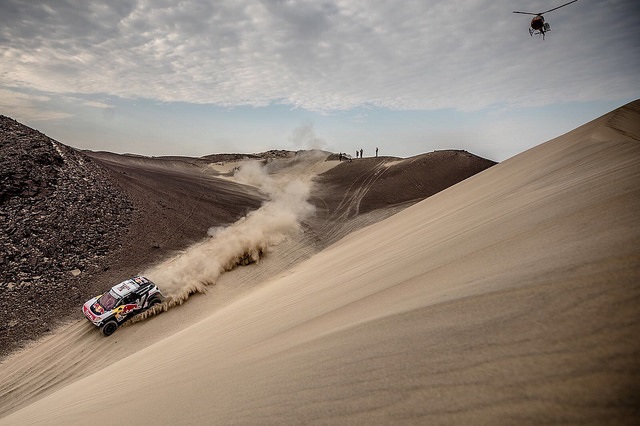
x=122, y=302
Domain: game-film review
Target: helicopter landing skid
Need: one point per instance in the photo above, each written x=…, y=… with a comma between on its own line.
x=538, y=32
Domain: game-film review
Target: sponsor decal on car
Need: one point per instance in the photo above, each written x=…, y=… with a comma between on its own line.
x=88, y=313
x=124, y=309
x=123, y=287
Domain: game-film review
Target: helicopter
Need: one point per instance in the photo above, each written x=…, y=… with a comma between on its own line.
x=538, y=26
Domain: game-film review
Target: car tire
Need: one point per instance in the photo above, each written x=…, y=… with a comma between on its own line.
x=109, y=327
x=153, y=302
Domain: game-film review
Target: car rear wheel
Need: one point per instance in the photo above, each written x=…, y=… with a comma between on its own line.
x=153, y=302
x=109, y=327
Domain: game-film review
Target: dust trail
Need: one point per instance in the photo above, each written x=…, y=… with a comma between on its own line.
x=287, y=183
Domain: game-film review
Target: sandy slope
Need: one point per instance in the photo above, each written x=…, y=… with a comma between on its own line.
x=510, y=297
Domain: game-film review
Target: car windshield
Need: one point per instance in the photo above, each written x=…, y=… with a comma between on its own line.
x=108, y=301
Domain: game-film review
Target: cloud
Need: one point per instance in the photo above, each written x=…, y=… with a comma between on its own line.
x=96, y=104
x=23, y=106
x=322, y=55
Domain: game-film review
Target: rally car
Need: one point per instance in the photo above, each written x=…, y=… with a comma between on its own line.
x=125, y=300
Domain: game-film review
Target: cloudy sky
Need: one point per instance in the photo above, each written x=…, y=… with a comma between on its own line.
x=192, y=77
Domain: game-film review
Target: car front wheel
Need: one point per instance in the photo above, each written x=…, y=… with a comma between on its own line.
x=109, y=327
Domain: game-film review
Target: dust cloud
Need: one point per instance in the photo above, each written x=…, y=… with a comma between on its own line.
x=305, y=137
x=287, y=183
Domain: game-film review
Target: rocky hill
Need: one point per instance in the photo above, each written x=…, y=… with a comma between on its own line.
x=60, y=215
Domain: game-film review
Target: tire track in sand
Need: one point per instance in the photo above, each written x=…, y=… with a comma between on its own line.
x=341, y=220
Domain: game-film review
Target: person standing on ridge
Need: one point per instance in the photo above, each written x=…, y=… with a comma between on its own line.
x=360, y=152
x=376, y=151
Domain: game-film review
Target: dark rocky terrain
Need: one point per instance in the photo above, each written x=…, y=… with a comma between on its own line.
x=61, y=215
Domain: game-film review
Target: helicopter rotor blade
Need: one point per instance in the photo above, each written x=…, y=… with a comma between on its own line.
x=551, y=10
x=530, y=13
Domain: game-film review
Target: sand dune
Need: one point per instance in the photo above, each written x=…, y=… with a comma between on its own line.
x=511, y=297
